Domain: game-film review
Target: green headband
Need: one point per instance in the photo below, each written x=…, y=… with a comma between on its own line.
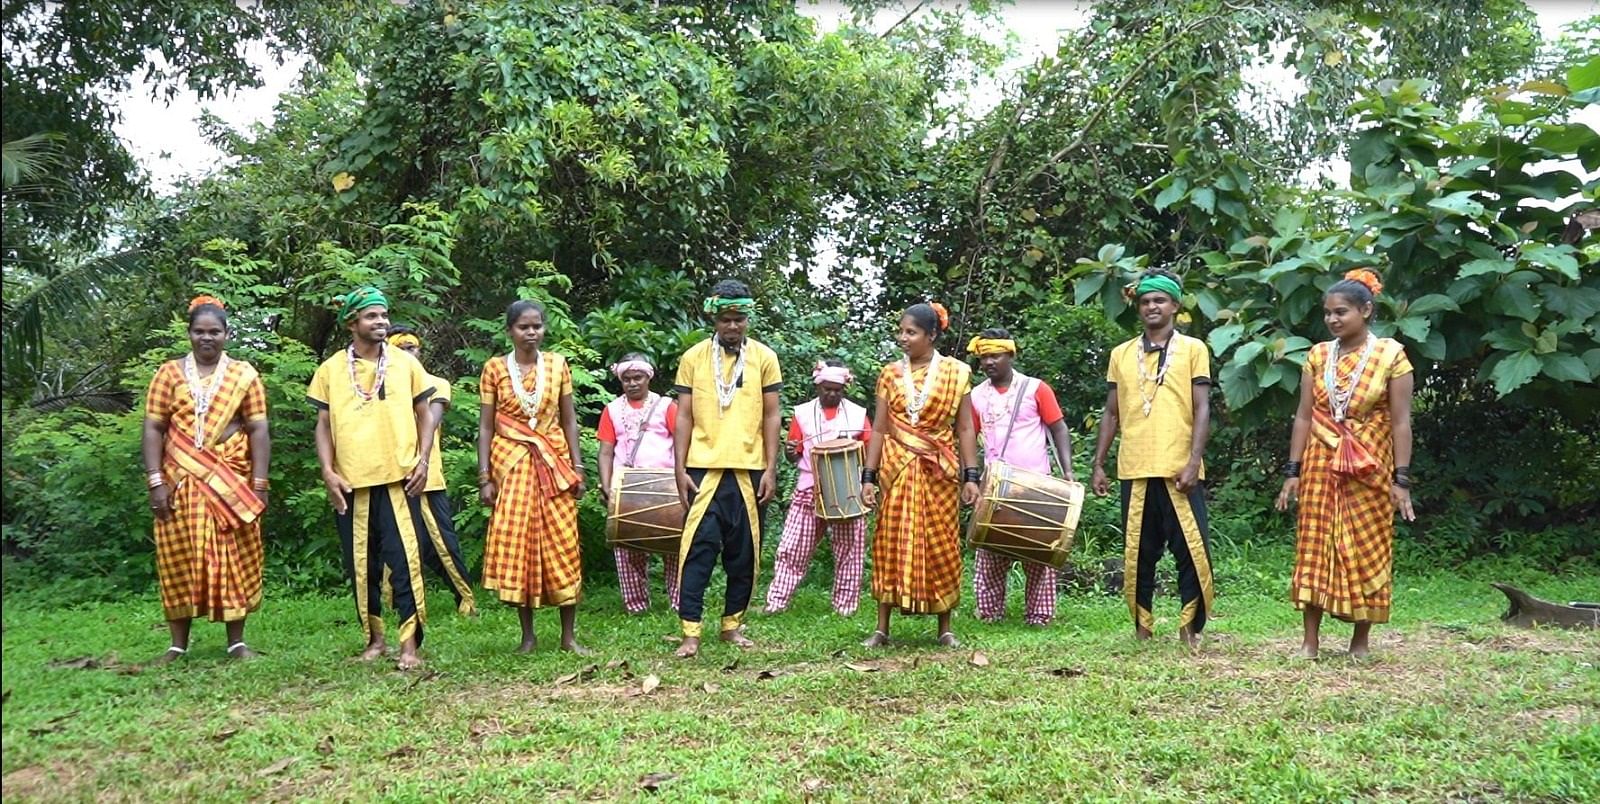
x=1159, y=283
x=357, y=300
x=717, y=304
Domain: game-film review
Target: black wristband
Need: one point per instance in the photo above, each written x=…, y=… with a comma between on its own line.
x=1402, y=481
x=972, y=474
x=1291, y=469
x=869, y=476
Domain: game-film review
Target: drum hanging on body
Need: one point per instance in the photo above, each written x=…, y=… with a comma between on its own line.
x=1026, y=515
x=837, y=467
x=645, y=512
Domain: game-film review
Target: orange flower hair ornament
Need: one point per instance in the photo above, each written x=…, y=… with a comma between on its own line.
x=1367, y=277
x=204, y=299
x=944, y=315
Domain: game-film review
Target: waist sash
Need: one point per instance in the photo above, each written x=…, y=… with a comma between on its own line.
x=561, y=475
x=227, y=495
x=1352, y=460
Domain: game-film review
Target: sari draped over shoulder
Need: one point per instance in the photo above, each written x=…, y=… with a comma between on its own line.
x=209, y=554
x=1344, y=545
x=916, y=550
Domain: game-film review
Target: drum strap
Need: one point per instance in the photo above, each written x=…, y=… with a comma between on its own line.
x=638, y=435
x=1016, y=407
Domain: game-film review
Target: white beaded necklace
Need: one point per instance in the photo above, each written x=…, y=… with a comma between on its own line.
x=1339, y=398
x=917, y=398
x=1154, y=382
x=203, y=394
x=377, y=380
x=726, y=390
x=529, y=402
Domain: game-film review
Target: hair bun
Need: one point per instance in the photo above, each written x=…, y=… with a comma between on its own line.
x=944, y=315
x=1365, y=276
x=203, y=300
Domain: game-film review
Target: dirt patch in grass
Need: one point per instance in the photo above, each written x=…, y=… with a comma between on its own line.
x=57, y=780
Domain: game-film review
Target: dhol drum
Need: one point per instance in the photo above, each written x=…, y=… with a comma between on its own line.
x=645, y=512
x=837, y=467
x=1026, y=515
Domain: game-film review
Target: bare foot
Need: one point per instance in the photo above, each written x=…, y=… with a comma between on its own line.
x=1141, y=634
x=408, y=661
x=528, y=645
x=878, y=640
x=373, y=651
x=573, y=646
x=1189, y=638
x=242, y=652
x=948, y=639
x=1359, y=650
x=736, y=636
x=1308, y=650
x=173, y=654
x=689, y=649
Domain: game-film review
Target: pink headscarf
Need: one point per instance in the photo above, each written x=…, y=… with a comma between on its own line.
x=626, y=366
x=826, y=373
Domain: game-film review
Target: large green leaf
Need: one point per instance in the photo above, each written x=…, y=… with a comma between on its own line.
x=1415, y=327
x=1514, y=300
x=1249, y=352
x=1486, y=266
x=1565, y=367
x=1557, y=258
x=1460, y=203
x=1566, y=139
x=1205, y=198
x=1175, y=190
x=1514, y=372
x=1239, y=385
x=1508, y=338
x=1466, y=166
x=1578, y=304
x=1434, y=348
x=1224, y=337
x=1084, y=289
x=1584, y=76
x=1591, y=359
x=1433, y=303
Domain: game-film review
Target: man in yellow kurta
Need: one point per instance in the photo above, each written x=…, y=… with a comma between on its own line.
x=726, y=443
x=1159, y=401
x=374, y=438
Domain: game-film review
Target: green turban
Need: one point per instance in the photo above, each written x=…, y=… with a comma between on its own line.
x=1159, y=283
x=716, y=305
x=357, y=300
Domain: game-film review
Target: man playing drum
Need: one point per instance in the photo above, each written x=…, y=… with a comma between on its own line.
x=1020, y=422
x=829, y=417
x=636, y=431
x=726, y=445
x=1160, y=401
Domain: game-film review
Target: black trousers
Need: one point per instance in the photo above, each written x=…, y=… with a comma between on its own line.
x=1156, y=518
x=379, y=537
x=723, y=521
x=441, y=551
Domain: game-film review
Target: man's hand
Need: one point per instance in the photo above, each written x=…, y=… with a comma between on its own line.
x=416, y=479
x=337, y=488
x=687, y=488
x=1099, y=481
x=1189, y=477
x=768, y=488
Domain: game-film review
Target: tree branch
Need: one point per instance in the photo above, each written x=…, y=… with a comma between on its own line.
x=902, y=20
x=1088, y=126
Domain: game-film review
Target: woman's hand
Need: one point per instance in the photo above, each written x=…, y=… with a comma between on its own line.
x=487, y=492
x=1287, y=496
x=869, y=495
x=161, y=502
x=970, y=493
x=1402, y=502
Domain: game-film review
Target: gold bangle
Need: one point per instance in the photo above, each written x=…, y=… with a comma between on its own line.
x=260, y=484
x=155, y=479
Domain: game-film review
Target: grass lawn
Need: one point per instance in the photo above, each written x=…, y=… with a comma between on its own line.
x=1451, y=706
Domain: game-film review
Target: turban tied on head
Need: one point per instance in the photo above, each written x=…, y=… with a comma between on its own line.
x=825, y=373
x=405, y=340
x=623, y=367
x=716, y=305
x=360, y=299
x=1156, y=283
x=981, y=346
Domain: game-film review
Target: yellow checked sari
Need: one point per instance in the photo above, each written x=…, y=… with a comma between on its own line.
x=208, y=555
x=1345, y=536
x=530, y=556
x=916, y=550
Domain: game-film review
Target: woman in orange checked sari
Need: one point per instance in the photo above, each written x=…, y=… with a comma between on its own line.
x=1349, y=467
x=530, y=472
x=206, y=449
x=923, y=415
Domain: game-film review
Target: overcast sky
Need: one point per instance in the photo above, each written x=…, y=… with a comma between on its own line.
x=166, y=138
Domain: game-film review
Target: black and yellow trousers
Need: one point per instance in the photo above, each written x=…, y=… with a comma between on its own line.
x=723, y=521
x=1157, y=517
x=383, y=534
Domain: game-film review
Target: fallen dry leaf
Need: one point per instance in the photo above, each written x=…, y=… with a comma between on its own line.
x=483, y=728
x=768, y=675
x=617, y=664
x=650, y=683
x=838, y=654
x=978, y=659
x=222, y=736
x=567, y=679
x=1068, y=672
x=710, y=687
x=426, y=675
x=588, y=671
x=325, y=745
x=651, y=782
x=277, y=767
x=731, y=666
x=402, y=751
x=673, y=638
x=77, y=663
x=863, y=668
x=52, y=725
x=811, y=786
